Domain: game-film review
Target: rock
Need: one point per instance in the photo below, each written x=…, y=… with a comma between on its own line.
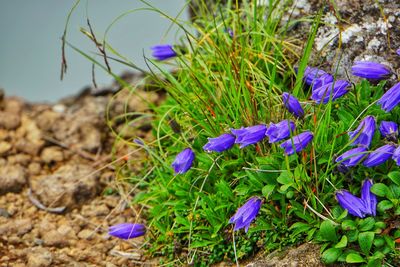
x=34, y=168
x=71, y=185
x=29, y=137
x=54, y=238
x=52, y=154
x=39, y=257
x=18, y=227
x=12, y=178
x=306, y=255
x=4, y=147
x=86, y=234
x=4, y=213
x=9, y=121
x=21, y=159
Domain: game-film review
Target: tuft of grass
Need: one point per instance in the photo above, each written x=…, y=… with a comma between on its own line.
x=220, y=82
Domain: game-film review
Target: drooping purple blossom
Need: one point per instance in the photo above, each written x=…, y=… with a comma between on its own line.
x=127, y=230
x=163, y=52
x=390, y=99
x=311, y=74
x=293, y=105
x=359, y=207
x=322, y=80
x=370, y=70
x=183, y=161
x=220, y=143
x=332, y=90
x=368, y=197
x=389, y=130
x=398, y=51
x=297, y=143
x=364, y=133
x=354, y=205
x=352, y=157
x=279, y=131
x=249, y=135
x=396, y=156
x=379, y=155
x=246, y=214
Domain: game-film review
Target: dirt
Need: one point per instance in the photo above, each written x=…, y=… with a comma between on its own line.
x=54, y=172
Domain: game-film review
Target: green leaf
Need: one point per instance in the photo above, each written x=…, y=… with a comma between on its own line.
x=342, y=243
x=349, y=225
x=385, y=205
x=367, y=224
x=331, y=255
x=354, y=258
x=328, y=231
x=379, y=189
x=365, y=240
x=285, y=178
x=267, y=190
x=395, y=177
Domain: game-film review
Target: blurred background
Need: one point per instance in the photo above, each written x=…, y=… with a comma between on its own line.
x=30, y=47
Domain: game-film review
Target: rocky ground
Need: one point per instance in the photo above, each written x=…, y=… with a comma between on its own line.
x=54, y=174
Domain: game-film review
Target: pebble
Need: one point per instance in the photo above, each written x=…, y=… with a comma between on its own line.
x=52, y=154
x=39, y=257
x=53, y=238
x=12, y=178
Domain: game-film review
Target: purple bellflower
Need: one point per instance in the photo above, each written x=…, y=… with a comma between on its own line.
x=220, y=143
x=322, y=80
x=370, y=70
x=332, y=90
x=364, y=133
x=280, y=130
x=359, y=207
x=398, y=51
x=389, y=130
x=390, y=99
x=249, y=135
x=127, y=230
x=352, y=157
x=246, y=214
x=183, y=161
x=292, y=105
x=163, y=52
x=297, y=143
x=354, y=205
x=396, y=156
x=379, y=156
x=368, y=197
x=311, y=74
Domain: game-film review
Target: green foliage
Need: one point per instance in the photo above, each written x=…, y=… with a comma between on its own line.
x=222, y=83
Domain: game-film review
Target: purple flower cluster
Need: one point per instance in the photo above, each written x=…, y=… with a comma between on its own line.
x=362, y=138
x=360, y=207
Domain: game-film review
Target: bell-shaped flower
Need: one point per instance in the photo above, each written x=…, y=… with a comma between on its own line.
x=246, y=214
x=379, y=156
x=249, y=135
x=322, y=80
x=368, y=197
x=389, y=130
x=297, y=143
x=293, y=105
x=183, y=161
x=364, y=133
x=352, y=157
x=398, y=51
x=370, y=70
x=311, y=74
x=163, y=52
x=279, y=131
x=332, y=90
x=390, y=99
x=220, y=143
x=354, y=205
x=127, y=230
x=396, y=156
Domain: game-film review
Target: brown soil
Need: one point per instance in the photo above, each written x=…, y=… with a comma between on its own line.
x=54, y=168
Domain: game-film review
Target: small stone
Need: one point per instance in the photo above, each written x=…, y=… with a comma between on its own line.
x=4, y=213
x=4, y=147
x=21, y=159
x=86, y=234
x=34, y=168
x=53, y=238
x=67, y=231
x=18, y=227
x=9, y=121
x=39, y=257
x=12, y=178
x=52, y=154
